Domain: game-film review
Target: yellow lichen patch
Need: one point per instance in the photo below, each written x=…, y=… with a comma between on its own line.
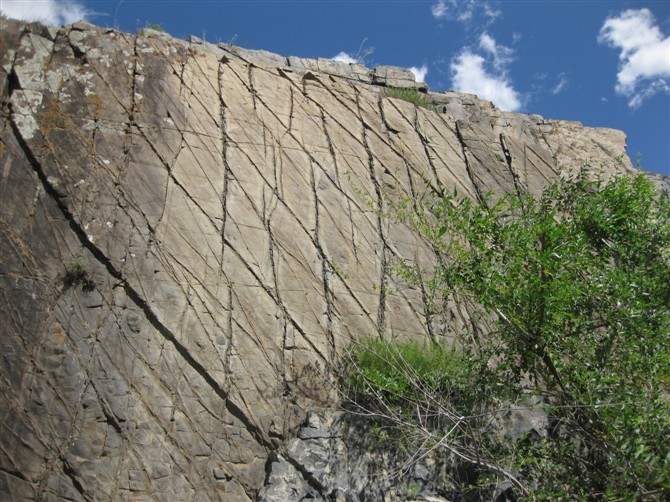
x=58, y=335
x=52, y=119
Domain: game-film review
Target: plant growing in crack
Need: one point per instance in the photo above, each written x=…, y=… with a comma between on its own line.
x=78, y=274
x=412, y=490
x=336, y=269
x=363, y=52
x=408, y=94
x=150, y=26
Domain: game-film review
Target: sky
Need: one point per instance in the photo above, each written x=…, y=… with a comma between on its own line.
x=602, y=63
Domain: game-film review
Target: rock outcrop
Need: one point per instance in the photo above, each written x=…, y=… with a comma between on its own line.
x=190, y=236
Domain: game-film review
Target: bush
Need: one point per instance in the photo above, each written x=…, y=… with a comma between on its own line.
x=408, y=94
x=150, y=26
x=77, y=274
x=577, y=283
x=407, y=371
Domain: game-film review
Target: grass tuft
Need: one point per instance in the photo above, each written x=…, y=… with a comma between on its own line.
x=410, y=95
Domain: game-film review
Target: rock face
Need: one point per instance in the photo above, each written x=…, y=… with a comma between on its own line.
x=335, y=458
x=191, y=234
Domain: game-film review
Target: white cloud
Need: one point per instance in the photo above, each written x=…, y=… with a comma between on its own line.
x=645, y=54
x=501, y=55
x=419, y=73
x=481, y=70
x=439, y=10
x=470, y=74
x=464, y=11
x=50, y=12
x=562, y=84
x=487, y=43
x=490, y=12
x=345, y=58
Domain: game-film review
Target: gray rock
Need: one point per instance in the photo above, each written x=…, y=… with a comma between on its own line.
x=394, y=76
x=222, y=209
x=260, y=58
x=284, y=482
x=347, y=462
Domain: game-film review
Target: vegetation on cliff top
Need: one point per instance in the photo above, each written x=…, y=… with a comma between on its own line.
x=408, y=94
x=574, y=287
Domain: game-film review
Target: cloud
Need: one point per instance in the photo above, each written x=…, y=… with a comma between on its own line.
x=469, y=74
x=51, y=12
x=464, y=11
x=501, y=55
x=562, y=84
x=419, y=73
x=481, y=70
x=439, y=10
x=644, y=68
x=345, y=58
x=486, y=76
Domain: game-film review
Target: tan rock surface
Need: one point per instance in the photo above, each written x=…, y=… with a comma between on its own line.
x=218, y=205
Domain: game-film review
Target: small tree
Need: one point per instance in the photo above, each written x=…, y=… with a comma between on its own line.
x=578, y=284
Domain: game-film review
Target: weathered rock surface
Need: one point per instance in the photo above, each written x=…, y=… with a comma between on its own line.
x=334, y=457
x=187, y=244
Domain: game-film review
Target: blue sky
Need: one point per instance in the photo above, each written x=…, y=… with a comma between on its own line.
x=602, y=63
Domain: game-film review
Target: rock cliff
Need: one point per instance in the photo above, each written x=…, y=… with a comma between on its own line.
x=190, y=236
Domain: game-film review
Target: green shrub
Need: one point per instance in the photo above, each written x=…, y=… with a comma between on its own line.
x=576, y=285
x=397, y=368
x=77, y=274
x=408, y=94
x=150, y=26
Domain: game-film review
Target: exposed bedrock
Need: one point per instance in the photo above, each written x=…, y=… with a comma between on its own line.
x=190, y=235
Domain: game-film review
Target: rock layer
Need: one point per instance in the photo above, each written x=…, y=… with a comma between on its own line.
x=192, y=233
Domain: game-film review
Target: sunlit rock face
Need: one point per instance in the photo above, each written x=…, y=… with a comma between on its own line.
x=192, y=233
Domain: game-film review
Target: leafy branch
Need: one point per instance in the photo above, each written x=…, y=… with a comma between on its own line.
x=577, y=284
